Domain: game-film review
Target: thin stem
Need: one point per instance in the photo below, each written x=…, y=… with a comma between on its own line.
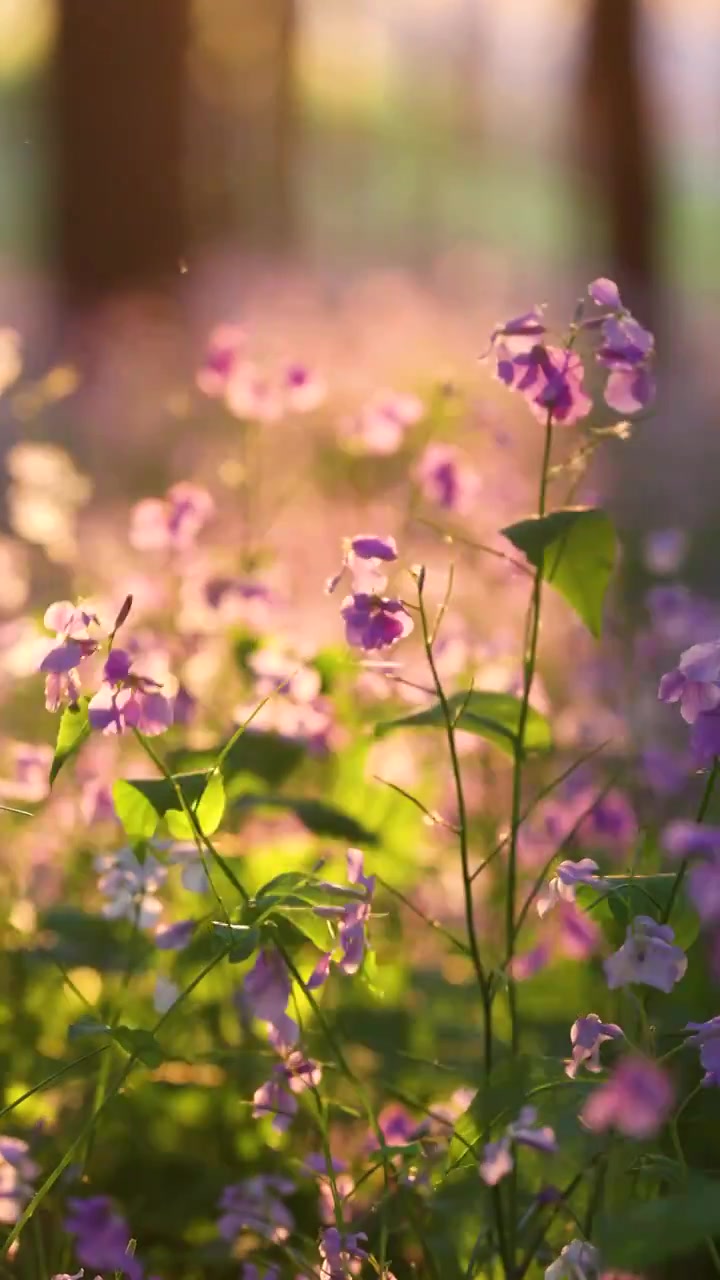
x=56, y=1075
x=542, y=794
x=529, y=664
x=677, y=1145
x=89, y=1125
x=483, y=983
x=530, y=661
x=702, y=810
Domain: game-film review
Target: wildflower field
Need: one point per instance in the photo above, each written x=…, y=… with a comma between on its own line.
x=361, y=874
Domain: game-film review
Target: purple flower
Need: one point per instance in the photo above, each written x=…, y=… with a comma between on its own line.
x=497, y=1157
x=703, y=886
x=497, y=1161
x=528, y=325
x=611, y=824
x=173, y=522
x=225, y=345
x=374, y=622
x=278, y=1096
x=127, y=699
x=364, y=557
x=102, y=1236
x=561, y=888
x=665, y=772
x=578, y=935
x=341, y=1254
x=665, y=550
x=528, y=963
x=647, y=956
x=266, y=992
x=695, y=682
x=18, y=1172
x=636, y=1100
x=369, y=546
x=255, y=1205
x=304, y=390
x=446, y=480
x=352, y=924
x=397, y=1125
x=76, y=638
x=684, y=838
x=586, y=1036
x=706, y=1038
x=627, y=351
x=131, y=886
x=174, y=937
x=550, y=378
x=605, y=293
x=705, y=737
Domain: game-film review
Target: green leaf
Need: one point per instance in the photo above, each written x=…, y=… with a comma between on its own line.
x=317, y=816
x=162, y=794
x=140, y=1044
x=494, y=716
x=644, y=895
x=73, y=729
x=576, y=549
x=240, y=939
x=208, y=811
x=134, y=810
x=647, y=1232
x=266, y=755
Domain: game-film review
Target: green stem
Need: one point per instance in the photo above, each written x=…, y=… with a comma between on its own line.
x=530, y=661
x=482, y=978
x=529, y=664
x=700, y=816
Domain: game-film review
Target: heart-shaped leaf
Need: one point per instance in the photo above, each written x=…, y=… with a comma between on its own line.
x=576, y=549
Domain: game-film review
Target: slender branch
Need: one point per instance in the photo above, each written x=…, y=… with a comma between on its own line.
x=483, y=982
x=530, y=661
x=700, y=817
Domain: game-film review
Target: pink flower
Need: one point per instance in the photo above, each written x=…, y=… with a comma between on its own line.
x=172, y=522
x=77, y=638
x=127, y=699
x=225, y=345
x=586, y=1036
x=381, y=425
x=636, y=1100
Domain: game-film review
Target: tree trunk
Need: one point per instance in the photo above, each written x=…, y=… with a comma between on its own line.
x=616, y=144
x=120, y=81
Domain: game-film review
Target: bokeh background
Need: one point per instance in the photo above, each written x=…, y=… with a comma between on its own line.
x=422, y=167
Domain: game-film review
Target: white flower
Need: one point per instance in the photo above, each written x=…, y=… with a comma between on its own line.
x=562, y=886
x=131, y=886
x=578, y=1261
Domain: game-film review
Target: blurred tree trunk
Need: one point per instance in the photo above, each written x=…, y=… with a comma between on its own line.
x=120, y=79
x=616, y=142
x=244, y=122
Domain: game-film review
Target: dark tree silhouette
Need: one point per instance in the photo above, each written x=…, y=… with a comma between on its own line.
x=120, y=91
x=616, y=143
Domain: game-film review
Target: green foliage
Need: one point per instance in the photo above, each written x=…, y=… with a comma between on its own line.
x=137, y=815
x=208, y=812
x=647, y=1232
x=316, y=816
x=73, y=729
x=576, y=549
x=494, y=716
